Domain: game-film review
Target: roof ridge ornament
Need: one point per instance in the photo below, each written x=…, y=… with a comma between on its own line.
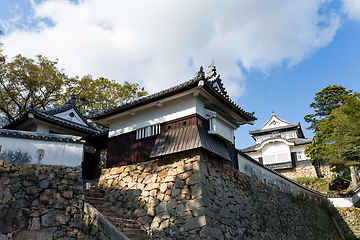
x=200, y=73
x=72, y=101
x=212, y=72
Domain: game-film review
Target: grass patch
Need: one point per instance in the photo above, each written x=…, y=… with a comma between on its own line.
x=317, y=184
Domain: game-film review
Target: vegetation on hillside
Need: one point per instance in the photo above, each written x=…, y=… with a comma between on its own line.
x=317, y=184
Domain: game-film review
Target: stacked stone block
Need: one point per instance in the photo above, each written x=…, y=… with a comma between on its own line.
x=197, y=196
x=42, y=202
x=306, y=171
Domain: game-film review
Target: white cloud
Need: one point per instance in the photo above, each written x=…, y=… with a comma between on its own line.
x=352, y=8
x=152, y=42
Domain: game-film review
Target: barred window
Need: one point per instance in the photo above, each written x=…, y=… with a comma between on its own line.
x=148, y=131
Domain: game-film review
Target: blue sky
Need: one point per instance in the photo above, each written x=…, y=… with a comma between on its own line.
x=272, y=55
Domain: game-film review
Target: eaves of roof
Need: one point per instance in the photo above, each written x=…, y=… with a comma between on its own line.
x=225, y=99
x=282, y=128
x=51, y=119
x=185, y=139
x=143, y=100
x=40, y=136
x=170, y=92
x=223, y=115
x=296, y=141
x=249, y=149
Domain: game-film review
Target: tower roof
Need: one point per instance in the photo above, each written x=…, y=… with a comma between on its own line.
x=210, y=82
x=274, y=123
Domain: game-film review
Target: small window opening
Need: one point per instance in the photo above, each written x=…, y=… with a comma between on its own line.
x=147, y=131
x=71, y=114
x=169, y=127
x=184, y=123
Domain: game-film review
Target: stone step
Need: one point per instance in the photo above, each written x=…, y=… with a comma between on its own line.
x=127, y=226
x=135, y=234
x=98, y=201
x=94, y=193
x=123, y=222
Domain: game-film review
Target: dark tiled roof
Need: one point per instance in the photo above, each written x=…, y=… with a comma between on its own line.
x=349, y=194
x=67, y=106
x=48, y=114
x=290, y=126
x=187, y=138
x=40, y=136
x=209, y=81
x=296, y=141
x=301, y=141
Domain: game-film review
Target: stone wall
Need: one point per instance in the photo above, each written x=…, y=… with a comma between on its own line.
x=43, y=202
x=193, y=195
x=349, y=220
x=306, y=171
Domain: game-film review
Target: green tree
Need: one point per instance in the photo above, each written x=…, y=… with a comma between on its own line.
x=39, y=81
x=342, y=145
x=26, y=80
x=325, y=101
x=102, y=93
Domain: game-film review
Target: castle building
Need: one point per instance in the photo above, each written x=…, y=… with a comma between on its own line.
x=195, y=114
x=279, y=145
x=58, y=136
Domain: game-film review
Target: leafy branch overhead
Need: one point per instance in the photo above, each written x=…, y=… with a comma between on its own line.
x=39, y=81
x=102, y=93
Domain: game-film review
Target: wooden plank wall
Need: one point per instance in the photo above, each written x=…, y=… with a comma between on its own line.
x=125, y=149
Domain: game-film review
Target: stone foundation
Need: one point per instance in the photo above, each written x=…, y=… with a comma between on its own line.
x=306, y=171
x=43, y=202
x=194, y=195
x=351, y=221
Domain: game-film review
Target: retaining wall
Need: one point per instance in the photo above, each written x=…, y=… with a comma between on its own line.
x=41, y=202
x=193, y=195
x=306, y=171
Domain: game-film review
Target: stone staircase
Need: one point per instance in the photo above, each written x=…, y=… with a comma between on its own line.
x=128, y=227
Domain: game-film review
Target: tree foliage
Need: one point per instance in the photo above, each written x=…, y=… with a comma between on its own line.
x=39, y=81
x=102, y=93
x=342, y=145
x=26, y=80
x=325, y=101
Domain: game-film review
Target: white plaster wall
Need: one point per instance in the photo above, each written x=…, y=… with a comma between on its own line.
x=221, y=129
x=277, y=180
x=76, y=118
x=341, y=202
x=300, y=149
x=271, y=125
x=170, y=110
x=56, y=153
x=276, y=149
x=42, y=128
x=254, y=154
x=289, y=134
